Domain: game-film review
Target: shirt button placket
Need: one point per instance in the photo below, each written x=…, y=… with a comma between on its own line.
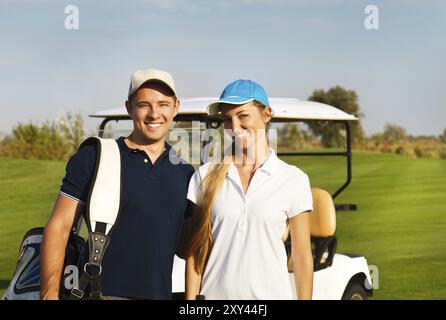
x=243, y=218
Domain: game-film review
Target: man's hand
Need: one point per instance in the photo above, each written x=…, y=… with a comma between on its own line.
x=55, y=237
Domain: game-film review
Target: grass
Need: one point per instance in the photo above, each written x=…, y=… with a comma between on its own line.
x=27, y=192
x=400, y=225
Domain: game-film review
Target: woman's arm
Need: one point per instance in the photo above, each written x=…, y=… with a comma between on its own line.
x=193, y=279
x=301, y=255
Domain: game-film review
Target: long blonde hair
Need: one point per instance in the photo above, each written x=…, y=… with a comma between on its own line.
x=201, y=243
x=209, y=189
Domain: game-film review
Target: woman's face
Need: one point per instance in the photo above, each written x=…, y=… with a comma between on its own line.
x=248, y=122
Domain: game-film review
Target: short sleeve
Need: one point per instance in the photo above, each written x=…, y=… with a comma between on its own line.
x=301, y=199
x=194, y=184
x=79, y=174
x=189, y=207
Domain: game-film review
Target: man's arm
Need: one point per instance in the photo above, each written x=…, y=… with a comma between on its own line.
x=187, y=230
x=301, y=255
x=57, y=231
x=193, y=279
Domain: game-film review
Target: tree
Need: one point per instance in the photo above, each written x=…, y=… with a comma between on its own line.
x=72, y=129
x=292, y=137
x=393, y=133
x=55, y=140
x=442, y=137
x=345, y=100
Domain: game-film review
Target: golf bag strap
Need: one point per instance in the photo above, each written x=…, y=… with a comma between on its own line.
x=95, y=288
x=98, y=243
x=79, y=293
x=104, y=199
x=103, y=209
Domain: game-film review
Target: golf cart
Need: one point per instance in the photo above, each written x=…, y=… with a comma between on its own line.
x=336, y=276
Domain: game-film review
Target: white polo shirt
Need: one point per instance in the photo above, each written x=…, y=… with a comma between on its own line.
x=248, y=259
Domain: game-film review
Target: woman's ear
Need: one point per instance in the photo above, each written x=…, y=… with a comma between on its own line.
x=267, y=114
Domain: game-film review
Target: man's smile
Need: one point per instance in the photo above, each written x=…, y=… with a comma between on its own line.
x=152, y=124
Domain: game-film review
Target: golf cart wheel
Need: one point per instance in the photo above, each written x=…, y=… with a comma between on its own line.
x=354, y=291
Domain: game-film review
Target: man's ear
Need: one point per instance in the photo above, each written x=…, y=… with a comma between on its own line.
x=128, y=107
x=176, y=108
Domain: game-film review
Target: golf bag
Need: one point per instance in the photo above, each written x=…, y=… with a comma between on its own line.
x=101, y=214
x=25, y=284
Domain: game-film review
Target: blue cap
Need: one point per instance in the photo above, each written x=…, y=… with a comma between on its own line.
x=240, y=92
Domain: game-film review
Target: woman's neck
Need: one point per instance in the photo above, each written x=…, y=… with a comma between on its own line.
x=254, y=158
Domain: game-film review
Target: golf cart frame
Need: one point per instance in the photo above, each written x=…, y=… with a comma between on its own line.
x=336, y=276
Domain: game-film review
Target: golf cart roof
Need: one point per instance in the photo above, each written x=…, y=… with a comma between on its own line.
x=285, y=109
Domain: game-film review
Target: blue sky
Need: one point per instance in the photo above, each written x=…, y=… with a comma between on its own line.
x=290, y=47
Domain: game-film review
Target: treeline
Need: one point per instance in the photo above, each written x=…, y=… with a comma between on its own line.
x=54, y=140
x=393, y=139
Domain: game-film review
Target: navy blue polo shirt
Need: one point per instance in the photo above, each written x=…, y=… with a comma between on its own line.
x=139, y=259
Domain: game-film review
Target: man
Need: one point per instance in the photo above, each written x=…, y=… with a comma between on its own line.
x=138, y=261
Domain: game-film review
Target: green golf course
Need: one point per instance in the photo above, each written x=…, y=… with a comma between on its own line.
x=400, y=224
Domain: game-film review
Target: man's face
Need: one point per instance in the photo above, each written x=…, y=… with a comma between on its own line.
x=152, y=109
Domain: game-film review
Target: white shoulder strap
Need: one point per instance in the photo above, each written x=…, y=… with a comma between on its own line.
x=105, y=195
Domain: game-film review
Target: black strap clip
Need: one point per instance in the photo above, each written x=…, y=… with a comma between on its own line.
x=76, y=293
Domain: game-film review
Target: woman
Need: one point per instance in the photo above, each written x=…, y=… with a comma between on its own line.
x=243, y=208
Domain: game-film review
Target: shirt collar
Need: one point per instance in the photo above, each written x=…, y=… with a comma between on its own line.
x=126, y=150
x=269, y=166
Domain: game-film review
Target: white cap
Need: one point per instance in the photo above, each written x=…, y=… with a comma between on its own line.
x=142, y=76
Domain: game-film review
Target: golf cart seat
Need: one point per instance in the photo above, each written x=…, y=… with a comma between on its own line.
x=322, y=230
x=323, y=216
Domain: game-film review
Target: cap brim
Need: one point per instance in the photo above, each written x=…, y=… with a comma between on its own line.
x=153, y=80
x=214, y=107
